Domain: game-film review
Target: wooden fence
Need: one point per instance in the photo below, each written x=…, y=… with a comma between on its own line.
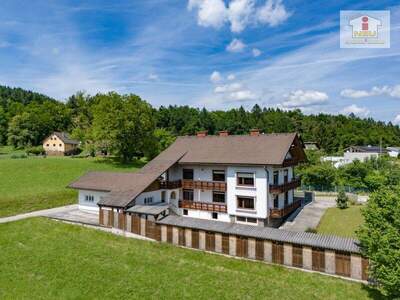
x=328, y=261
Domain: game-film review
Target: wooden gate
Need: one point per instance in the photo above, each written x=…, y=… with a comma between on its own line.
x=318, y=259
x=151, y=229
x=195, y=238
x=135, y=224
x=364, y=268
x=277, y=253
x=225, y=243
x=169, y=234
x=181, y=235
x=259, y=249
x=101, y=216
x=121, y=221
x=210, y=241
x=342, y=264
x=297, y=256
x=241, y=246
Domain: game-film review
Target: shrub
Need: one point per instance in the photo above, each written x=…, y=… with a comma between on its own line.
x=342, y=200
x=38, y=150
x=380, y=239
x=312, y=230
x=17, y=156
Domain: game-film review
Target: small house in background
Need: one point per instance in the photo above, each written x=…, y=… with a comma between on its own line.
x=59, y=143
x=393, y=151
x=311, y=146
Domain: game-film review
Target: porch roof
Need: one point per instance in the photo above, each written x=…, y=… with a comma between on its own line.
x=153, y=210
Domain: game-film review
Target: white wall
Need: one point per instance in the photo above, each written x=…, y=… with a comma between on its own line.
x=362, y=156
x=203, y=173
x=393, y=153
x=157, y=196
x=85, y=205
x=259, y=192
x=201, y=214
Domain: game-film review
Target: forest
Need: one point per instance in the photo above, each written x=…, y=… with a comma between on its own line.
x=128, y=126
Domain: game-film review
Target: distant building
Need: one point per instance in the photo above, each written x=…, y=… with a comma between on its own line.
x=361, y=153
x=311, y=146
x=393, y=151
x=59, y=143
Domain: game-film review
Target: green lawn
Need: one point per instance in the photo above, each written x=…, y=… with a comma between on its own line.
x=44, y=259
x=33, y=183
x=343, y=222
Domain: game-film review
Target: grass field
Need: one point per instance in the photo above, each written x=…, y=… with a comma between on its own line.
x=34, y=183
x=343, y=222
x=44, y=259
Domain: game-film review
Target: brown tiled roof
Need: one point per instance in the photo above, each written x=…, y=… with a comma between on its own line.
x=263, y=149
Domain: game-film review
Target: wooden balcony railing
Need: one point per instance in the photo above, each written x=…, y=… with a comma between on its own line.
x=277, y=213
x=214, y=207
x=290, y=162
x=170, y=184
x=204, y=185
x=284, y=187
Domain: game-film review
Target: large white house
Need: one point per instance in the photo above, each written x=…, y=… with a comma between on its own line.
x=230, y=178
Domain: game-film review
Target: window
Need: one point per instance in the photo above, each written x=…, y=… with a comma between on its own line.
x=286, y=198
x=286, y=176
x=218, y=175
x=47, y=145
x=89, y=198
x=245, y=202
x=245, y=179
x=276, y=201
x=173, y=195
x=276, y=177
x=148, y=200
x=60, y=145
x=214, y=215
x=219, y=197
x=163, y=195
x=188, y=195
x=54, y=145
x=187, y=174
x=185, y=212
x=246, y=220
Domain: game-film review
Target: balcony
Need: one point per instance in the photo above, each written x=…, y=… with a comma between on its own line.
x=204, y=185
x=277, y=213
x=284, y=187
x=170, y=184
x=207, y=206
x=290, y=162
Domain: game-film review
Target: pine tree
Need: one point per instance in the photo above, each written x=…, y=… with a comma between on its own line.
x=342, y=200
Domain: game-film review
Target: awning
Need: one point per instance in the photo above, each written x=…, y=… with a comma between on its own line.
x=153, y=210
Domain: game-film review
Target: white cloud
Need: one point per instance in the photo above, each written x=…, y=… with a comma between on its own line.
x=232, y=87
x=242, y=95
x=256, y=52
x=236, y=46
x=153, y=76
x=211, y=13
x=231, y=77
x=357, y=110
x=272, y=13
x=239, y=14
x=391, y=91
x=396, y=120
x=300, y=99
x=215, y=77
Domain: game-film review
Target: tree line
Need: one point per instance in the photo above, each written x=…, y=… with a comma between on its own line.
x=128, y=126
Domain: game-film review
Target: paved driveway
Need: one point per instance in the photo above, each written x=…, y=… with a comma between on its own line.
x=67, y=213
x=310, y=215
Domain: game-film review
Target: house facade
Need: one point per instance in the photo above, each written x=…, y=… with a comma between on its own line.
x=237, y=179
x=59, y=143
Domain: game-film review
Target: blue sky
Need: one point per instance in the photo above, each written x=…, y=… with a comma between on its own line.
x=206, y=53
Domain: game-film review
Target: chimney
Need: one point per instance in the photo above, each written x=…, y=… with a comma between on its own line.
x=255, y=132
x=223, y=133
x=202, y=133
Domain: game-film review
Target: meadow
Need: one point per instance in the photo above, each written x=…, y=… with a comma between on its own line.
x=33, y=183
x=45, y=259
